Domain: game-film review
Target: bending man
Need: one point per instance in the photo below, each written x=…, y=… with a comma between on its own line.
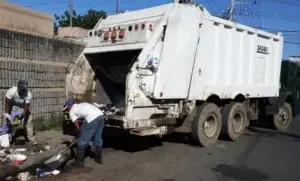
x=18, y=99
x=90, y=130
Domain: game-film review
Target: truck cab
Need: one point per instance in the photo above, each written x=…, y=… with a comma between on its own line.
x=290, y=83
x=288, y=101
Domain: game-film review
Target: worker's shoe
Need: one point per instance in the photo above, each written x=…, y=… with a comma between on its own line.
x=98, y=156
x=79, y=159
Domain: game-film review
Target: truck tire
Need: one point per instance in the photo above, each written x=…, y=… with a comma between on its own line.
x=234, y=118
x=207, y=125
x=283, y=119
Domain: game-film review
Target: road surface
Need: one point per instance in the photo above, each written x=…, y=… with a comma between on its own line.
x=259, y=155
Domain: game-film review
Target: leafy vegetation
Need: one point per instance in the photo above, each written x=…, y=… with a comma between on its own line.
x=87, y=21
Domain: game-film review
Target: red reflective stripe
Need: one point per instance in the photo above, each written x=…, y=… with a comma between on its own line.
x=113, y=35
x=106, y=35
x=150, y=27
x=122, y=34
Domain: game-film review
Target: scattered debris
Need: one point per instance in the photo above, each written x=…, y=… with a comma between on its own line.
x=56, y=172
x=35, y=143
x=19, y=152
x=4, y=141
x=3, y=159
x=47, y=147
x=9, y=178
x=45, y=172
x=25, y=176
x=17, y=158
x=2, y=153
x=20, y=149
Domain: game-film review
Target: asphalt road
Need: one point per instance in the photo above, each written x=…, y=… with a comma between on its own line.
x=259, y=155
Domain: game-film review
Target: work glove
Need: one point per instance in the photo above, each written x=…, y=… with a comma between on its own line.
x=7, y=116
x=22, y=116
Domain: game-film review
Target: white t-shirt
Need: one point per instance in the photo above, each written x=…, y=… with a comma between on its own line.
x=17, y=101
x=85, y=111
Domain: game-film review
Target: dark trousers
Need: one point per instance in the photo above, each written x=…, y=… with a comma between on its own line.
x=91, y=132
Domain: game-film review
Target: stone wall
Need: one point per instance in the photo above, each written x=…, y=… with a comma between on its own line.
x=43, y=62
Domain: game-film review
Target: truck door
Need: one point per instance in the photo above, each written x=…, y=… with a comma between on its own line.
x=296, y=91
x=196, y=87
x=178, y=54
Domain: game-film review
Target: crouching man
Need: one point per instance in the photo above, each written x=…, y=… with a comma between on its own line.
x=18, y=100
x=90, y=130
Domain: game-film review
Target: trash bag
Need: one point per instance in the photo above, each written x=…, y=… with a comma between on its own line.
x=5, y=128
x=11, y=125
x=16, y=122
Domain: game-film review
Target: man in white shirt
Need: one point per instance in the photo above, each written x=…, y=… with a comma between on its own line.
x=18, y=99
x=90, y=130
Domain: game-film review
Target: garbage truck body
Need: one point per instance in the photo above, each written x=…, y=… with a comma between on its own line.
x=176, y=64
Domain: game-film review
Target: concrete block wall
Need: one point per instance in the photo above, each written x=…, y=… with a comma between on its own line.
x=43, y=62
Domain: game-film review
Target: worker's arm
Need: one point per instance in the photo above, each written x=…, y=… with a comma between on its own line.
x=8, y=100
x=76, y=124
x=27, y=104
x=26, y=110
x=75, y=119
x=8, y=105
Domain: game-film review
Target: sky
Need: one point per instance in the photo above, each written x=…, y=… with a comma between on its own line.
x=278, y=15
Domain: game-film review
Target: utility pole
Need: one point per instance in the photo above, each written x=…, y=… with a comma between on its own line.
x=117, y=6
x=231, y=9
x=71, y=12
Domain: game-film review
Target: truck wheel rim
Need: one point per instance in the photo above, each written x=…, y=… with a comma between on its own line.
x=237, y=122
x=283, y=117
x=210, y=126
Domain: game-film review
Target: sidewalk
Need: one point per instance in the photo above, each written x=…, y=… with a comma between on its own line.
x=56, y=141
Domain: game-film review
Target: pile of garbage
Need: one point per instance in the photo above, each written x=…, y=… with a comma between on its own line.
x=40, y=173
x=49, y=168
x=17, y=155
x=13, y=156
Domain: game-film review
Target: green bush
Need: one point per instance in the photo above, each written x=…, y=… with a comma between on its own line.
x=54, y=122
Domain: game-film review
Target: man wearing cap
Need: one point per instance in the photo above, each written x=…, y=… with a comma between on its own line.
x=90, y=130
x=18, y=99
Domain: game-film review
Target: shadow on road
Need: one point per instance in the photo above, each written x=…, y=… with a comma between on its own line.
x=120, y=140
x=272, y=133
x=240, y=173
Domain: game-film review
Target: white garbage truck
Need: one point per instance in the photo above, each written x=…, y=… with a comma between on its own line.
x=176, y=64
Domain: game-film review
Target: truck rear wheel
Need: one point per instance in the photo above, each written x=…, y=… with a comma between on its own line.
x=283, y=119
x=234, y=118
x=207, y=125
